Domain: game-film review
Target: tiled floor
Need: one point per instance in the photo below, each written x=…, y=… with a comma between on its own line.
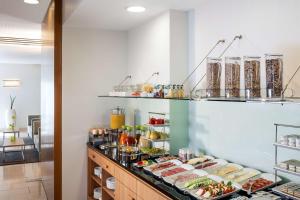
x=23, y=181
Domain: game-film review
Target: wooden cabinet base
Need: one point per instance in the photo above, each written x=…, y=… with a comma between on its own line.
x=128, y=186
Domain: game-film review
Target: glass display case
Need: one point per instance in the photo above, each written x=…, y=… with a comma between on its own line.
x=232, y=76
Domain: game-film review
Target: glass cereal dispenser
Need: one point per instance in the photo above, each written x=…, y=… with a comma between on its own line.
x=252, y=77
x=274, y=71
x=213, y=77
x=232, y=76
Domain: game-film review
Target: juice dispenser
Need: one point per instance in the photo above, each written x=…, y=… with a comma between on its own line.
x=117, y=118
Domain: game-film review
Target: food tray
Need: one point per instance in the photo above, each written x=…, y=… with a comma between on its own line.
x=148, y=163
x=180, y=185
x=235, y=175
x=267, y=176
x=219, y=163
x=278, y=191
x=218, y=180
x=184, y=166
x=165, y=159
x=209, y=159
x=218, y=170
x=176, y=162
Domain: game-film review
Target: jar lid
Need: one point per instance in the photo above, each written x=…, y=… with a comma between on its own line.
x=252, y=57
x=233, y=58
x=214, y=58
x=273, y=55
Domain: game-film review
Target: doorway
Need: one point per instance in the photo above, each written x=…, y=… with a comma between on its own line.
x=30, y=101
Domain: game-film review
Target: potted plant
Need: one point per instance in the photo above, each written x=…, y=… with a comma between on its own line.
x=11, y=115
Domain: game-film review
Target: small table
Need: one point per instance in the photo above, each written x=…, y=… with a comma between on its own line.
x=14, y=131
x=19, y=142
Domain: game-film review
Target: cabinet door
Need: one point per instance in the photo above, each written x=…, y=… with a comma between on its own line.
x=145, y=192
x=123, y=193
x=125, y=178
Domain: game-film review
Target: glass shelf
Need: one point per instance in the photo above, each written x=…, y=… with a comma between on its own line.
x=219, y=99
x=286, y=146
x=136, y=97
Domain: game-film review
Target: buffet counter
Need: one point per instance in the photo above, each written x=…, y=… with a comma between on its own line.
x=131, y=183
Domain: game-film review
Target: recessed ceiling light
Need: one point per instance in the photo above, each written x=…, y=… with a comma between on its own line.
x=136, y=9
x=32, y=1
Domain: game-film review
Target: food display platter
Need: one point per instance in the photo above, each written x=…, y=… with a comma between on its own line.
x=207, y=167
x=171, y=170
x=266, y=176
x=217, y=179
x=278, y=190
x=242, y=175
x=171, y=163
x=226, y=169
x=200, y=160
x=180, y=178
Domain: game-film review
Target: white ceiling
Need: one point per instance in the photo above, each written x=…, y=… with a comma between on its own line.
x=111, y=14
x=19, y=9
x=18, y=19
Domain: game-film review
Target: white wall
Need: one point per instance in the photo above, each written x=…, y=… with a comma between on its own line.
x=93, y=61
x=242, y=132
x=28, y=95
x=149, y=50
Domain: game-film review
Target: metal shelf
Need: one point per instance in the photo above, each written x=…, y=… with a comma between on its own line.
x=276, y=145
x=286, y=171
x=278, y=191
x=158, y=125
x=287, y=125
x=158, y=140
x=286, y=146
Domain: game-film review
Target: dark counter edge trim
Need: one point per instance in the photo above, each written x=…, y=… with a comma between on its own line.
x=133, y=173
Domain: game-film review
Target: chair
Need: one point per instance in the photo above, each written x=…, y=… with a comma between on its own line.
x=34, y=123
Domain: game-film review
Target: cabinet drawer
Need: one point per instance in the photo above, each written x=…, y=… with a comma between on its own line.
x=108, y=166
x=126, y=178
x=95, y=157
x=145, y=192
x=124, y=193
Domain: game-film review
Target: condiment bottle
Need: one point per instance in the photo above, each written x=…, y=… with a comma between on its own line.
x=170, y=92
x=180, y=92
x=175, y=91
x=161, y=92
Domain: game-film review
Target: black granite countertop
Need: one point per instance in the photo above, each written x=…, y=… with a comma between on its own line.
x=157, y=183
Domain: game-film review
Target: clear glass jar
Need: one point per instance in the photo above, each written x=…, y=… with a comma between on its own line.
x=274, y=72
x=252, y=77
x=232, y=76
x=213, y=77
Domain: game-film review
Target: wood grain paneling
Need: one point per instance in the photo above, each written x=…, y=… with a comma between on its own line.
x=58, y=100
x=125, y=178
x=145, y=192
x=52, y=56
x=95, y=157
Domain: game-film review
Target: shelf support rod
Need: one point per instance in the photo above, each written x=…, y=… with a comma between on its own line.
x=211, y=50
x=290, y=80
x=230, y=44
x=125, y=79
x=154, y=74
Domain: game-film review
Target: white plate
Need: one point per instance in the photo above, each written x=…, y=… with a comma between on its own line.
x=243, y=172
x=184, y=166
x=218, y=180
x=199, y=172
x=216, y=170
x=267, y=176
x=176, y=162
x=220, y=162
